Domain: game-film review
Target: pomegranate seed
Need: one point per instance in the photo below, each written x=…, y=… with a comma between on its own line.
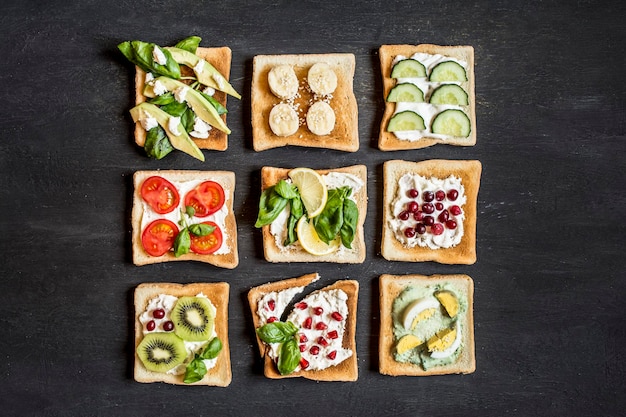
x=409, y=232
x=303, y=338
x=429, y=220
x=272, y=319
x=302, y=347
x=168, y=326
x=301, y=305
x=412, y=207
x=333, y=334
x=315, y=350
x=307, y=322
x=321, y=326
x=439, y=206
x=453, y=194
x=332, y=355
x=151, y=325
x=455, y=210
x=440, y=195
x=304, y=363
x=420, y=228
x=337, y=316
x=159, y=313
x=413, y=193
x=404, y=215
x=428, y=196
x=318, y=311
x=428, y=208
x=436, y=229
x=271, y=304
x=451, y=224
x=321, y=341
x=443, y=216
x=418, y=215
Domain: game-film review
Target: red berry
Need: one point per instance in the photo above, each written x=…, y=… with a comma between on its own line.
x=333, y=334
x=272, y=319
x=168, y=326
x=428, y=196
x=301, y=305
x=159, y=313
x=404, y=215
x=303, y=338
x=307, y=322
x=302, y=347
x=332, y=355
x=314, y=350
x=451, y=224
x=436, y=229
x=318, y=311
x=409, y=232
x=304, y=363
x=321, y=326
x=440, y=195
x=321, y=341
x=151, y=325
x=413, y=193
x=428, y=208
x=420, y=229
x=337, y=316
x=412, y=207
x=439, y=206
x=418, y=215
x=271, y=304
x=429, y=220
x=443, y=216
x=455, y=210
x=453, y=194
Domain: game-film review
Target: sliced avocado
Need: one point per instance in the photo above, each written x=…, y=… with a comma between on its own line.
x=209, y=76
x=182, y=142
x=200, y=106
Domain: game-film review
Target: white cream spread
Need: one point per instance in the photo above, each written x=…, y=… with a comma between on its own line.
x=166, y=303
x=183, y=188
x=280, y=299
x=449, y=237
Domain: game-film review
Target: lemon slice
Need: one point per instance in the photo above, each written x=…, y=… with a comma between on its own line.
x=310, y=241
x=407, y=343
x=312, y=189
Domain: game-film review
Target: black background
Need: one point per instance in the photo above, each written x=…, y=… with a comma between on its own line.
x=549, y=280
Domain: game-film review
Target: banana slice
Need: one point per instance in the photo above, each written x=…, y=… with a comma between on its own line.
x=322, y=79
x=320, y=119
x=283, y=120
x=283, y=81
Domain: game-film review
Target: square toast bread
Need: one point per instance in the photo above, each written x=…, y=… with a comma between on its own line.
x=271, y=175
x=469, y=173
x=346, y=370
x=220, y=375
x=390, y=287
x=226, y=179
x=387, y=141
x=220, y=58
x=344, y=136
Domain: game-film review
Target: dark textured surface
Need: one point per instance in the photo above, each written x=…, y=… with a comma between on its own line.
x=550, y=281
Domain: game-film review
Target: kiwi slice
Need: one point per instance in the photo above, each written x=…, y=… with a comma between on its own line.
x=161, y=352
x=193, y=318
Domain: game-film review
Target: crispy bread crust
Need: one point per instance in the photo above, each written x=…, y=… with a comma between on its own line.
x=221, y=374
x=345, y=135
x=390, y=287
x=469, y=173
x=271, y=175
x=226, y=179
x=220, y=58
x=387, y=141
x=344, y=371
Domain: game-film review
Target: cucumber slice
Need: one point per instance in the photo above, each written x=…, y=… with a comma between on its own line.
x=407, y=93
x=448, y=71
x=453, y=123
x=405, y=120
x=408, y=68
x=449, y=94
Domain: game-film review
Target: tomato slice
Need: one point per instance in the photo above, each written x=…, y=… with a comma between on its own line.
x=158, y=237
x=160, y=194
x=208, y=244
x=206, y=198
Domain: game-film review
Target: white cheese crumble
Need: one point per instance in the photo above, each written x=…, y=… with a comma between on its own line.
x=147, y=121
x=201, y=129
x=158, y=56
x=199, y=67
x=180, y=94
x=172, y=124
x=158, y=88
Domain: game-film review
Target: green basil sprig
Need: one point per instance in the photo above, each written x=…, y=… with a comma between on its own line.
x=140, y=54
x=284, y=333
x=157, y=144
x=289, y=357
x=196, y=369
x=339, y=217
x=189, y=44
x=182, y=242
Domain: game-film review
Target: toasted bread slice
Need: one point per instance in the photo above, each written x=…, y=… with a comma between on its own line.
x=347, y=370
x=220, y=375
x=387, y=141
x=390, y=287
x=344, y=136
x=469, y=173
x=220, y=58
x=295, y=253
x=226, y=257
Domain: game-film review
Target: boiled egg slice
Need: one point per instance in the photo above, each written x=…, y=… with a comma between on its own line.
x=419, y=310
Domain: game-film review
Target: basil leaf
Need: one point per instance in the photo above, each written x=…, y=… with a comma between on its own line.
x=190, y=211
x=270, y=206
x=140, y=54
x=291, y=230
x=182, y=243
x=297, y=208
x=188, y=119
x=218, y=106
x=289, y=357
x=276, y=332
x=175, y=108
x=157, y=143
x=189, y=44
x=196, y=370
x=163, y=99
x=212, y=349
x=329, y=222
x=350, y=218
x=286, y=190
x=201, y=229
